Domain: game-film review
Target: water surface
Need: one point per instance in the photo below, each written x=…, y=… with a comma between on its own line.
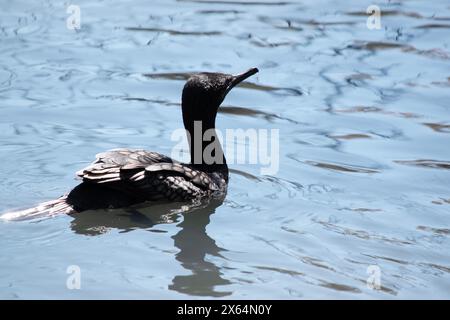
x=364, y=148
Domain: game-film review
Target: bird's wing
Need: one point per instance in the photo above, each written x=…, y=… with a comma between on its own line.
x=197, y=178
x=109, y=165
x=148, y=173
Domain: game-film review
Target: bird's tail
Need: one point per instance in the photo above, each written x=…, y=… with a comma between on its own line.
x=43, y=210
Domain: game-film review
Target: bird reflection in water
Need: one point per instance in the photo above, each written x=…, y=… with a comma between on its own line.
x=192, y=240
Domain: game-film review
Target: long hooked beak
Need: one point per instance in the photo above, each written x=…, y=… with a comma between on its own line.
x=241, y=77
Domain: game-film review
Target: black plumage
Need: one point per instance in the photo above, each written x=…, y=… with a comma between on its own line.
x=123, y=177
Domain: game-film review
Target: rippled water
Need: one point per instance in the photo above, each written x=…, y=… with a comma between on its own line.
x=364, y=148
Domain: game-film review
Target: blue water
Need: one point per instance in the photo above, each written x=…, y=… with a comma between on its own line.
x=364, y=148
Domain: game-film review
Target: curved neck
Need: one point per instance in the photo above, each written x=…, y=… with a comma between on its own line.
x=205, y=148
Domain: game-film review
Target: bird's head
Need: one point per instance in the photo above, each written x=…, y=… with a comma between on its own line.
x=204, y=92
